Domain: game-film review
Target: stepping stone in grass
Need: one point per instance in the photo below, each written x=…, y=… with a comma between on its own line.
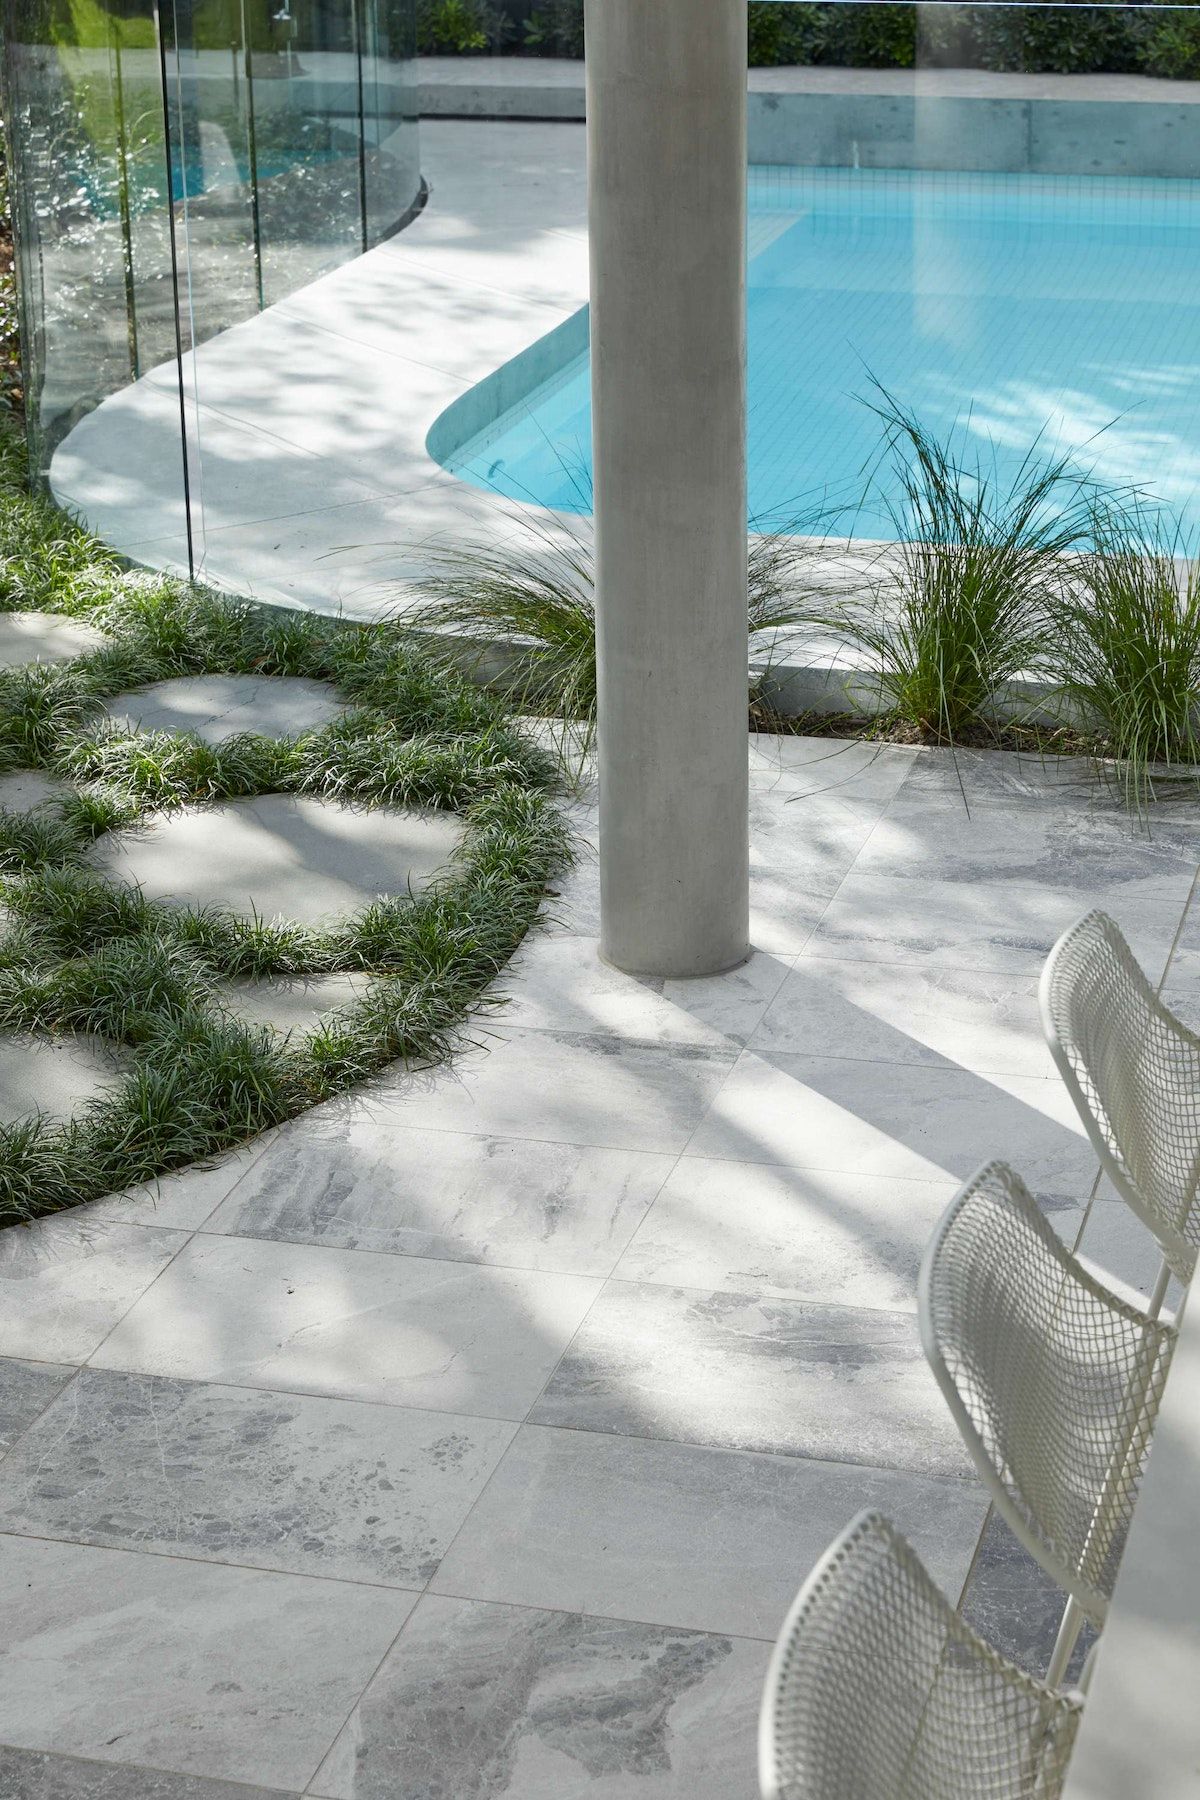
x=281, y=855
x=292, y=1004
x=217, y=707
x=53, y=1075
x=27, y=637
x=27, y=790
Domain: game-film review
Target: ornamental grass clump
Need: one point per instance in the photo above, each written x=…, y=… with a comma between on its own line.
x=525, y=618
x=1126, y=647
x=963, y=603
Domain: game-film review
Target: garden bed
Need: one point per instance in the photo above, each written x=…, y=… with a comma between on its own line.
x=89, y=956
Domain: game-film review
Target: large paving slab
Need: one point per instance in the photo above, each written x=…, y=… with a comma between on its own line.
x=282, y=855
x=27, y=637
x=519, y=1704
x=716, y=1540
x=54, y=1076
x=26, y=1388
x=219, y=707
x=293, y=1004
x=406, y=1331
x=28, y=790
x=175, y=1663
x=289, y=1482
x=37, y=1775
x=66, y=1280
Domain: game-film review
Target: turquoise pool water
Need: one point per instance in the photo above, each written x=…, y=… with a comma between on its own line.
x=1009, y=305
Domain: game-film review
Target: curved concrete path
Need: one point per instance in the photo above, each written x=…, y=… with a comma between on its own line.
x=311, y=480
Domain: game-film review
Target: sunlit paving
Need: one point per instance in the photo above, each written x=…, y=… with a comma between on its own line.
x=599, y=901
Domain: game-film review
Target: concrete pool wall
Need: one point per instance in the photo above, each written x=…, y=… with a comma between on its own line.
x=888, y=118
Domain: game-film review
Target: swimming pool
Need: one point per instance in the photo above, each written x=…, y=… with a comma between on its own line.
x=1010, y=304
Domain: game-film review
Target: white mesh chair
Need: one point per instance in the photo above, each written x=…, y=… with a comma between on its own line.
x=877, y=1690
x=1054, y=1382
x=1133, y=1071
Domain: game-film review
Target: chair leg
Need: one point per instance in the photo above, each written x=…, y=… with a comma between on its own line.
x=1154, y=1304
x=1073, y=1620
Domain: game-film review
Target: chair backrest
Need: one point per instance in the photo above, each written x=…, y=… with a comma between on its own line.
x=877, y=1690
x=1133, y=1071
x=1053, y=1380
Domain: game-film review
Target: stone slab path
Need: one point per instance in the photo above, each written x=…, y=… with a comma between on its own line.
x=281, y=855
x=471, y=1435
x=27, y=637
x=219, y=707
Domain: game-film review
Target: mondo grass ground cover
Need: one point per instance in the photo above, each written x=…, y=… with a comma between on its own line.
x=83, y=954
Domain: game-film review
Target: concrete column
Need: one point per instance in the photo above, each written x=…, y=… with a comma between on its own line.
x=667, y=216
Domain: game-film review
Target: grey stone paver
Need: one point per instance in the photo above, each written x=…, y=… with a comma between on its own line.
x=36, y=1775
x=53, y=1075
x=662, y=1220
x=67, y=1279
x=28, y=790
x=717, y=1540
x=541, y=1686
x=25, y=1389
x=177, y=1664
x=292, y=1005
x=749, y=1373
x=402, y=1330
x=282, y=855
x=347, y=1178
x=27, y=637
x=218, y=707
x=275, y=1481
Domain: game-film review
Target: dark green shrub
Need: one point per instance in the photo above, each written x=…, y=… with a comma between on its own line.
x=460, y=27
x=786, y=33
x=1172, y=45
x=555, y=28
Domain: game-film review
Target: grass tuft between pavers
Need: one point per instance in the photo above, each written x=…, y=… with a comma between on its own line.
x=84, y=954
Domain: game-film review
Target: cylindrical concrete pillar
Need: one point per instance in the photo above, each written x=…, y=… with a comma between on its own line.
x=667, y=218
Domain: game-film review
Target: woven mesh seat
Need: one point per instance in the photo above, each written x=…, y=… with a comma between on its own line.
x=1133, y=1071
x=877, y=1690
x=1054, y=1382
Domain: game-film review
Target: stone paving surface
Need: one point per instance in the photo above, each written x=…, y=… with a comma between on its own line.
x=471, y=1435
x=53, y=1075
x=27, y=790
x=281, y=855
x=218, y=707
x=27, y=637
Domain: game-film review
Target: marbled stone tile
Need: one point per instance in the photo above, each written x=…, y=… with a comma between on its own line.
x=1015, y=1606
x=676, y=1534
x=25, y=1388
x=843, y=1383
x=292, y=1004
x=900, y=1119
x=450, y=1336
x=801, y=849
x=987, y=1021
x=484, y=1702
x=66, y=1280
x=927, y=838
x=850, y=769
x=35, y=1775
x=986, y=923
x=558, y=983
x=567, y=1089
x=342, y=1177
x=803, y=1234
x=187, y=1666
x=276, y=1481
x=184, y=1199
x=1006, y=778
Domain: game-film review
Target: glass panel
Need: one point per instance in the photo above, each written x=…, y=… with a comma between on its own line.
x=391, y=164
